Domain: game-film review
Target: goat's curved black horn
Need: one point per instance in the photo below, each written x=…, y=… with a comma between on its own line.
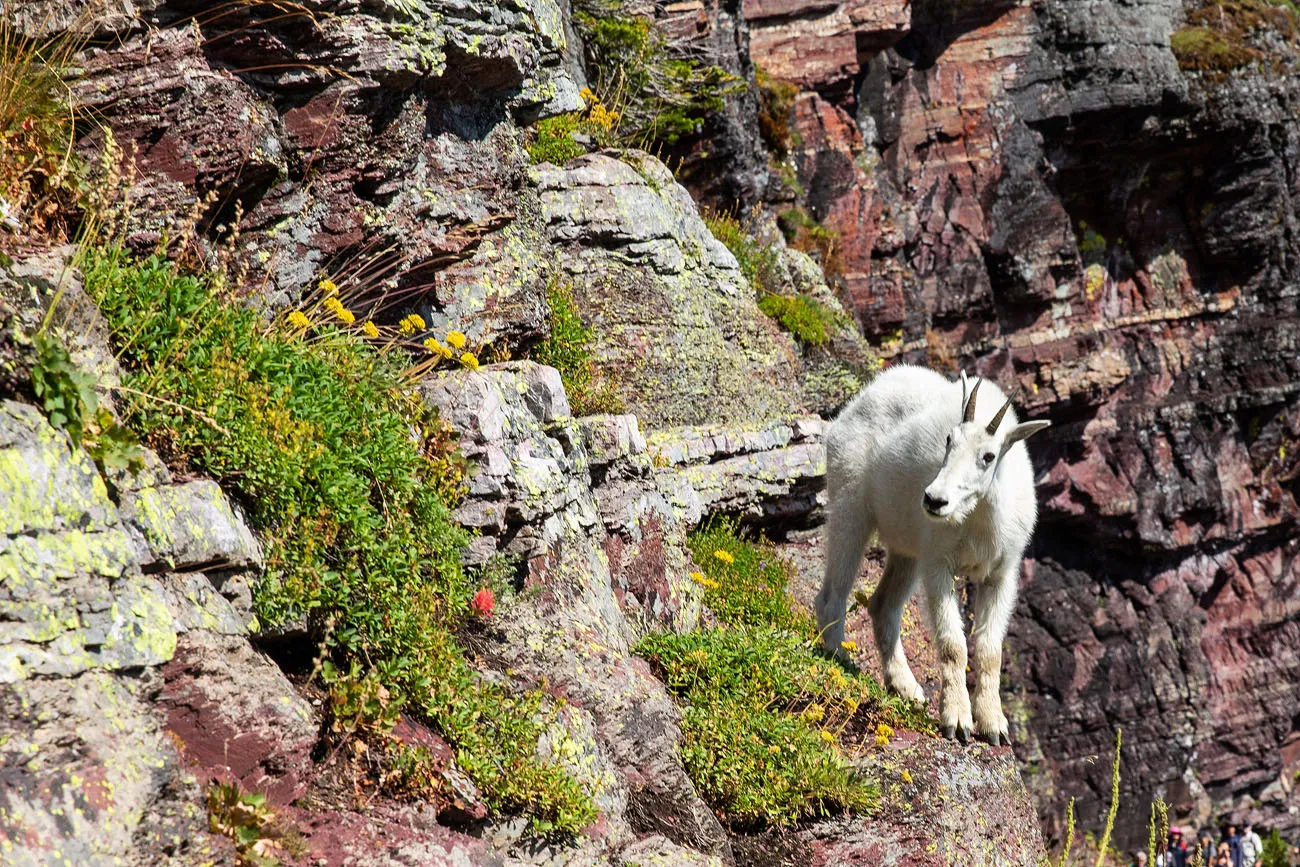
x=997, y=419
x=969, y=413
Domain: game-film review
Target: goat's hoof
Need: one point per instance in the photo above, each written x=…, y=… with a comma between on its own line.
x=957, y=733
x=995, y=738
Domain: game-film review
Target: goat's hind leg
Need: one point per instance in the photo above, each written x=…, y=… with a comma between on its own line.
x=847, y=531
x=886, y=607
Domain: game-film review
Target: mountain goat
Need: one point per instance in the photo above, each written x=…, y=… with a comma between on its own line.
x=948, y=487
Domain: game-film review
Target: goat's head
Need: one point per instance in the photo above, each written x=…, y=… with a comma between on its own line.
x=970, y=463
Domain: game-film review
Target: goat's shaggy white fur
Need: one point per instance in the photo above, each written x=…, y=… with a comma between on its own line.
x=911, y=459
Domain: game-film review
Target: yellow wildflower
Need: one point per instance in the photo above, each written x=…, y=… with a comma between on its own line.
x=883, y=734
x=347, y=316
x=851, y=704
x=333, y=305
x=469, y=361
x=369, y=329
x=814, y=713
x=434, y=346
x=456, y=339
x=907, y=776
x=710, y=584
x=411, y=324
x=774, y=749
x=587, y=95
x=327, y=287
x=725, y=556
x=850, y=646
x=828, y=737
x=298, y=319
x=697, y=577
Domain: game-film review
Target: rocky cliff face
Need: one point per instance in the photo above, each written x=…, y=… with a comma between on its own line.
x=1048, y=194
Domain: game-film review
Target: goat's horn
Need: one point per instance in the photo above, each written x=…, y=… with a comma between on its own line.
x=997, y=419
x=969, y=413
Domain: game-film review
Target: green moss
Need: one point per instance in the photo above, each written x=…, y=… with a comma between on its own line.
x=1206, y=50
x=1220, y=36
x=805, y=318
x=315, y=438
x=766, y=715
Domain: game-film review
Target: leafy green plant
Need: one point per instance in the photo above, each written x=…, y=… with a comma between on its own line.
x=67, y=395
x=359, y=704
x=765, y=714
x=247, y=819
x=349, y=478
x=567, y=349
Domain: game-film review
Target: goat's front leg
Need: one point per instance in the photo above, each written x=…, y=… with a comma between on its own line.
x=994, y=603
x=950, y=641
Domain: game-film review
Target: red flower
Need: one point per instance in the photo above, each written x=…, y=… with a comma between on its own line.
x=483, y=602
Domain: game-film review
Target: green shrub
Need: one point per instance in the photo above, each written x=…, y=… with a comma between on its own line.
x=660, y=97
x=765, y=713
x=315, y=438
x=805, y=318
x=552, y=140
x=1206, y=50
x=566, y=349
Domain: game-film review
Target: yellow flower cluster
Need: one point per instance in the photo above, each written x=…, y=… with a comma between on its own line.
x=469, y=361
x=828, y=737
x=883, y=734
x=814, y=713
x=328, y=288
x=437, y=348
x=725, y=556
x=850, y=646
x=587, y=95
x=603, y=117
x=336, y=307
x=456, y=340
x=298, y=319
x=411, y=324
x=907, y=776
x=370, y=329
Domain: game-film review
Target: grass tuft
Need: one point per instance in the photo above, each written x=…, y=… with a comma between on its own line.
x=766, y=716
x=567, y=349
x=349, y=479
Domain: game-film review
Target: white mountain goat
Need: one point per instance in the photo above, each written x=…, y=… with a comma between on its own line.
x=948, y=486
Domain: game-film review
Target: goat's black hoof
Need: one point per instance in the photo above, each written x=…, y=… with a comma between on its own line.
x=956, y=733
x=995, y=738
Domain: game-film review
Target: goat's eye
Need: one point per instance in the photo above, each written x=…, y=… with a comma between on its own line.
x=988, y=458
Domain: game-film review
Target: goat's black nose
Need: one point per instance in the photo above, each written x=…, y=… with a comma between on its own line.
x=932, y=504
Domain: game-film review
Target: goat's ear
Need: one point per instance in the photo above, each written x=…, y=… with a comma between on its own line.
x=1025, y=430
